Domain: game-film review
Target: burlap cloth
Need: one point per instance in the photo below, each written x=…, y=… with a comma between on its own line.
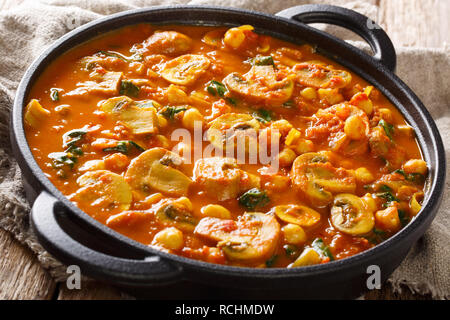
x=27, y=29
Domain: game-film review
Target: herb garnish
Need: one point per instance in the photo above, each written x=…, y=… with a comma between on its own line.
x=271, y=261
x=388, y=128
x=129, y=88
x=413, y=177
x=320, y=247
x=124, y=147
x=170, y=112
x=262, y=115
x=254, y=198
x=54, y=94
x=262, y=61
x=218, y=88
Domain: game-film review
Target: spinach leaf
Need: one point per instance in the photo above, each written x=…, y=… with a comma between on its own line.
x=385, y=188
x=170, y=112
x=124, y=147
x=232, y=101
x=262, y=115
x=54, y=94
x=270, y=263
x=321, y=248
x=291, y=250
x=72, y=138
x=216, y=88
x=262, y=61
x=253, y=198
x=68, y=158
x=388, y=196
x=377, y=236
x=415, y=177
x=129, y=88
x=61, y=159
x=388, y=128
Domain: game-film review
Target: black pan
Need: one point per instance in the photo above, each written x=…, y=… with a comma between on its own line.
x=77, y=239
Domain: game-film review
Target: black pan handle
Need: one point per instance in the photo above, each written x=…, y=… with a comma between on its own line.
x=45, y=219
x=377, y=38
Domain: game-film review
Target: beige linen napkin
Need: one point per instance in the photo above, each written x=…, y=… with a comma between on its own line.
x=27, y=29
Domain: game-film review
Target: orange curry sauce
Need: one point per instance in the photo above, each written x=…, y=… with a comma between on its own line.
x=350, y=176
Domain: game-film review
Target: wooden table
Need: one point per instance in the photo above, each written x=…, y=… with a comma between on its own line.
x=408, y=22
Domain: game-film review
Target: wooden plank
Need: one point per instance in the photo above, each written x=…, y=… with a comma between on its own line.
x=90, y=290
x=21, y=275
x=422, y=23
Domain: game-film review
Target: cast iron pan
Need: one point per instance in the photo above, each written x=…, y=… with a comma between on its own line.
x=77, y=239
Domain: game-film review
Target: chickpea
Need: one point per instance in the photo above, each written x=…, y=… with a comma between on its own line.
x=363, y=102
x=332, y=96
x=388, y=219
x=370, y=202
x=176, y=95
x=294, y=234
x=303, y=146
x=286, y=157
x=386, y=114
x=215, y=211
x=415, y=166
x=184, y=201
x=355, y=128
x=234, y=37
x=190, y=117
x=309, y=93
x=282, y=126
x=170, y=238
x=162, y=122
x=292, y=137
x=363, y=175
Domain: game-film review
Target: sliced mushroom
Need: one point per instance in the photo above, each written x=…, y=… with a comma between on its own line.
x=349, y=215
x=166, y=42
x=314, y=175
x=260, y=84
x=296, y=214
x=139, y=118
x=107, y=83
x=234, y=129
x=222, y=179
x=176, y=213
x=315, y=75
x=155, y=169
x=104, y=189
x=186, y=69
x=253, y=237
x=415, y=202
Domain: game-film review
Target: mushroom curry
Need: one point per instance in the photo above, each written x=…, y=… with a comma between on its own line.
x=104, y=123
